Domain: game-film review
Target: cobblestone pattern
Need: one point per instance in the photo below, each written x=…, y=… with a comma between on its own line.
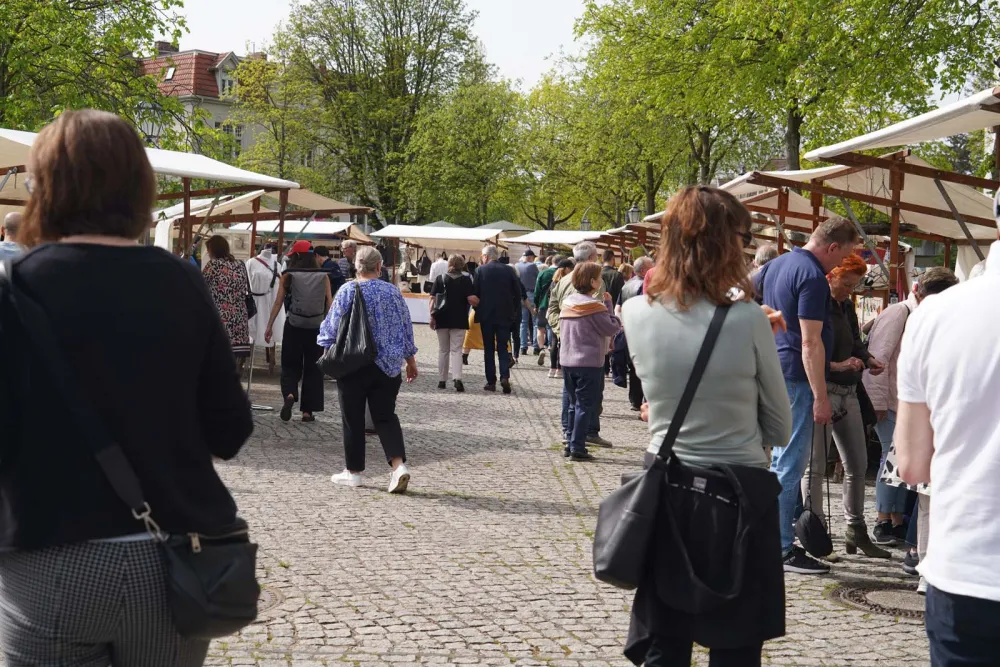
x=487, y=559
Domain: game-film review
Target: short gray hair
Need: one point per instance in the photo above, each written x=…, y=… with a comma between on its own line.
x=765, y=254
x=585, y=251
x=347, y=245
x=491, y=253
x=643, y=265
x=367, y=259
x=12, y=223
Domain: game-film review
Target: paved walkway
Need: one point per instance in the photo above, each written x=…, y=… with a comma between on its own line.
x=487, y=559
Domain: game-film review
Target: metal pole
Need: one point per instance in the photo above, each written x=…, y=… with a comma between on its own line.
x=959, y=219
x=301, y=232
x=204, y=221
x=10, y=172
x=864, y=236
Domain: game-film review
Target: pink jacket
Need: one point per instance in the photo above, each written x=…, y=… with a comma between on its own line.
x=883, y=344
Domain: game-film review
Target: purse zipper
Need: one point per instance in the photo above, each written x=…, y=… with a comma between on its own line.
x=196, y=538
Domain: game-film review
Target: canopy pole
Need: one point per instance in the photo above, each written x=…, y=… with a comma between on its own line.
x=782, y=207
x=255, y=208
x=816, y=199
x=947, y=253
x=996, y=153
x=282, y=207
x=186, y=231
x=959, y=219
x=896, y=182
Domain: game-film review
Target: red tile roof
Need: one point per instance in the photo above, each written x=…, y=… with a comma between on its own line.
x=194, y=72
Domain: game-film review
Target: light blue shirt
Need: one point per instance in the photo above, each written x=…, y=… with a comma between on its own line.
x=10, y=250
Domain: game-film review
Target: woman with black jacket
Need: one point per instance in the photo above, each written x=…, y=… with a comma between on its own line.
x=452, y=321
x=81, y=579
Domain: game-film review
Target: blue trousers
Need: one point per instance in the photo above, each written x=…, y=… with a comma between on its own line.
x=582, y=388
x=963, y=631
x=495, y=338
x=789, y=462
x=528, y=326
x=888, y=499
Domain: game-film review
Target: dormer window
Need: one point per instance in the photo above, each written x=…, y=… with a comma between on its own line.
x=228, y=83
x=170, y=74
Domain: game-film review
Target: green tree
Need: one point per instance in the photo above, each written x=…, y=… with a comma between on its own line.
x=375, y=65
x=462, y=155
x=66, y=54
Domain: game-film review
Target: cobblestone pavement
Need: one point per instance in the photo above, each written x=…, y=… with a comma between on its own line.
x=487, y=559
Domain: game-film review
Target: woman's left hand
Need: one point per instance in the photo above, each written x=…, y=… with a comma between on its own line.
x=776, y=319
x=411, y=370
x=875, y=367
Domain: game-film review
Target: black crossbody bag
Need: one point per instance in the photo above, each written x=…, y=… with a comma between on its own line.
x=211, y=578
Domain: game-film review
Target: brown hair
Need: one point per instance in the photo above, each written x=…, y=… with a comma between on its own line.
x=627, y=271
x=836, y=229
x=218, y=248
x=565, y=267
x=701, y=254
x=456, y=263
x=936, y=280
x=90, y=175
x=584, y=276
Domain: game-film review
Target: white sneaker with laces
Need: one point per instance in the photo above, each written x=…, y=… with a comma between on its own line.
x=346, y=478
x=400, y=479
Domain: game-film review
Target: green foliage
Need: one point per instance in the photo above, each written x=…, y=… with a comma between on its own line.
x=71, y=54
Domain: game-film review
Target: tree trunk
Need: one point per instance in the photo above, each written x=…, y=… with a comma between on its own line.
x=793, y=137
x=550, y=217
x=705, y=158
x=650, y=189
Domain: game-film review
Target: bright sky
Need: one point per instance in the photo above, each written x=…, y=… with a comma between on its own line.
x=520, y=35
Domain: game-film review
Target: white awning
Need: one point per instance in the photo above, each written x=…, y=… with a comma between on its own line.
x=557, y=237
x=315, y=202
x=15, y=145
x=315, y=227
x=972, y=113
x=200, y=207
x=443, y=238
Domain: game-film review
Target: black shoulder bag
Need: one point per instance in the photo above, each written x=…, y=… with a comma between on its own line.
x=809, y=528
x=626, y=518
x=440, y=299
x=354, y=347
x=211, y=579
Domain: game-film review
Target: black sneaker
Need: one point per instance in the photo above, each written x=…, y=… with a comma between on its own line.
x=459, y=386
x=900, y=532
x=490, y=387
x=286, y=409
x=797, y=561
x=566, y=453
x=442, y=385
x=505, y=384
x=883, y=534
x=581, y=456
x=524, y=352
x=465, y=360
x=910, y=562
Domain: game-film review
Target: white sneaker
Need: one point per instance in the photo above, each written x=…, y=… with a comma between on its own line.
x=346, y=478
x=559, y=375
x=400, y=479
x=552, y=374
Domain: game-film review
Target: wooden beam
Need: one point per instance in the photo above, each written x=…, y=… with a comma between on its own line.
x=13, y=202
x=210, y=191
x=809, y=217
x=870, y=161
x=764, y=179
x=896, y=184
x=782, y=209
x=253, y=226
x=947, y=253
x=816, y=199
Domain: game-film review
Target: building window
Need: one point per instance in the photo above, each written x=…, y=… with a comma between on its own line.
x=309, y=158
x=234, y=138
x=228, y=84
x=170, y=74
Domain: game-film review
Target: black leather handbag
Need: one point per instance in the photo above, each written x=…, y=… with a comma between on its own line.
x=211, y=578
x=809, y=528
x=354, y=347
x=626, y=518
x=440, y=299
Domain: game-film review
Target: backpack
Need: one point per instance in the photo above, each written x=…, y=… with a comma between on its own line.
x=424, y=265
x=307, y=304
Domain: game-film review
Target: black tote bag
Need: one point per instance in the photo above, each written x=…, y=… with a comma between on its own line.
x=626, y=518
x=354, y=347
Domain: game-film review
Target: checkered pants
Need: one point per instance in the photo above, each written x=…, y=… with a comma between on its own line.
x=90, y=605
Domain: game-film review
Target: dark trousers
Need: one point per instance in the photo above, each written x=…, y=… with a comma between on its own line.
x=299, y=354
x=515, y=337
x=495, y=337
x=554, y=352
x=963, y=631
x=370, y=386
x=581, y=396
x=635, y=395
x=675, y=653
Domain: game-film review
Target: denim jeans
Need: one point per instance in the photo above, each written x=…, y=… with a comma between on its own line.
x=528, y=326
x=888, y=499
x=495, y=339
x=789, y=462
x=581, y=394
x=962, y=630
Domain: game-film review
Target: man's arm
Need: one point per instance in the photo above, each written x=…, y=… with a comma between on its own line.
x=914, y=440
x=814, y=361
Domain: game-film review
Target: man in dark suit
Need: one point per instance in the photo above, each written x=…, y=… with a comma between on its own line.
x=499, y=292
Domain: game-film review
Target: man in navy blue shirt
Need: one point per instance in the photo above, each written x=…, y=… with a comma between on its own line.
x=796, y=284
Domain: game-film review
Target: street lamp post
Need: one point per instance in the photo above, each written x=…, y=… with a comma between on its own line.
x=633, y=215
x=585, y=222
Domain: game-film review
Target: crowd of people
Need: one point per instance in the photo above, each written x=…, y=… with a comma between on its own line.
x=781, y=370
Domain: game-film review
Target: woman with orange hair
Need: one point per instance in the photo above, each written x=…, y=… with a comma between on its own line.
x=848, y=362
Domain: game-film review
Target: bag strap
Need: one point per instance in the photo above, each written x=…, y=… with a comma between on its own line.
x=108, y=454
x=700, y=364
